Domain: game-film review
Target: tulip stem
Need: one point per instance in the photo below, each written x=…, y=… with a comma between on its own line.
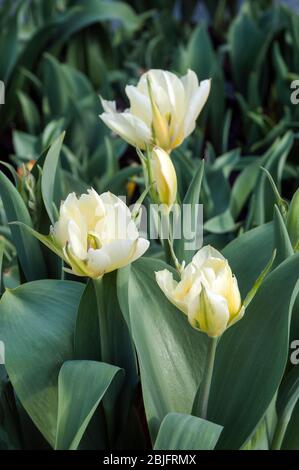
x=202, y=399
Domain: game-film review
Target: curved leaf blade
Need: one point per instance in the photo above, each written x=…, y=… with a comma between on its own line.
x=187, y=432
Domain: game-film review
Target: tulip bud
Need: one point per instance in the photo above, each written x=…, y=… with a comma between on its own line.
x=164, y=176
x=293, y=221
x=160, y=123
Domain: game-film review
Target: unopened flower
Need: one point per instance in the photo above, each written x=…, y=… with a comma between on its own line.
x=164, y=176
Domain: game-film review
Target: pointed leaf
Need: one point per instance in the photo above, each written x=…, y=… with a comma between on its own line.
x=28, y=249
x=81, y=387
x=187, y=432
x=37, y=323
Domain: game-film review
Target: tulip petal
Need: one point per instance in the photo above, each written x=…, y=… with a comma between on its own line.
x=169, y=286
x=130, y=128
x=190, y=84
x=77, y=240
x=115, y=255
x=69, y=210
x=210, y=313
x=140, y=104
x=204, y=254
x=141, y=247
x=237, y=317
x=118, y=221
x=108, y=106
x=195, y=106
x=234, y=298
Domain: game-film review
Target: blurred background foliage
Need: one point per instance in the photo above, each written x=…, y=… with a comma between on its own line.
x=58, y=56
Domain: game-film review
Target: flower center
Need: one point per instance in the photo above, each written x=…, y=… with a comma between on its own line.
x=93, y=241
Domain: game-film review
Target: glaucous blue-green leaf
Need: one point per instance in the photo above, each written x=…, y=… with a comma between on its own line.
x=186, y=432
x=248, y=255
x=81, y=387
x=116, y=345
x=87, y=342
x=192, y=199
x=282, y=241
x=291, y=438
x=287, y=400
x=28, y=248
x=273, y=161
x=246, y=33
x=251, y=356
x=50, y=184
x=171, y=353
x=37, y=322
x=293, y=220
x=1, y=261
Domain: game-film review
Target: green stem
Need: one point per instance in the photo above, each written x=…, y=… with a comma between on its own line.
x=105, y=334
x=279, y=433
x=205, y=386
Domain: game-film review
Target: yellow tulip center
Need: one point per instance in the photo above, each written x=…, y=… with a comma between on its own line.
x=93, y=241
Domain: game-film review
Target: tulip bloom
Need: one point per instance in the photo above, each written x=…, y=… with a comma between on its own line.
x=164, y=176
x=95, y=234
x=163, y=109
x=207, y=293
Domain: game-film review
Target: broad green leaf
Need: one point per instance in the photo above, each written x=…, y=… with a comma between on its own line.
x=2, y=245
x=95, y=11
x=243, y=187
x=245, y=352
x=60, y=29
x=87, y=343
x=273, y=161
x=286, y=402
x=262, y=437
x=291, y=438
x=116, y=343
x=245, y=34
x=28, y=248
x=248, y=255
x=164, y=341
x=30, y=112
x=81, y=387
x=26, y=146
x=199, y=55
x=10, y=435
x=293, y=220
x=186, y=432
x=8, y=47
x=37, y=323
x=282, y=241
x=192, y=197
x=221, y=223
x=49, y=178
x=259, y=440
x=281, y=203
x=217, y=176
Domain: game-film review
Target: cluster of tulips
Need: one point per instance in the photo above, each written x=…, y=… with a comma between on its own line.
x=97, y=234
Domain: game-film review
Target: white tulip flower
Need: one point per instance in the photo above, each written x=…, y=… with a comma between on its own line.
x=95, y=234
x=163, y=109
x=207, y=293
